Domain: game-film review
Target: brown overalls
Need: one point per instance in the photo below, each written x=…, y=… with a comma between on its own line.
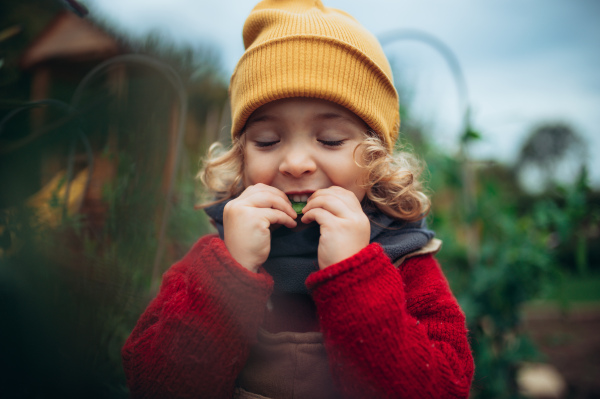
x=294, y=365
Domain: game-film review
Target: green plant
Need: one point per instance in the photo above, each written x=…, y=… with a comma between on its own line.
x=496, y=259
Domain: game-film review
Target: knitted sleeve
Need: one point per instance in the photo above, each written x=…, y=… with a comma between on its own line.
x=392, y=333
x=193, y=339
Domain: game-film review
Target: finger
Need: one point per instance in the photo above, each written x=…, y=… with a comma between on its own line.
x=347, y=196
x=331, y=204
x=274, y=191
x=261, y=187
x=269, y=199
x=319, y=215
x=275, y=216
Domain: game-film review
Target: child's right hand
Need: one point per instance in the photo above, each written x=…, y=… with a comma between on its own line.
x=247, y=221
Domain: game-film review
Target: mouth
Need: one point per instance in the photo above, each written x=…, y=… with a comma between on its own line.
x=299, y=199
x=299, y=196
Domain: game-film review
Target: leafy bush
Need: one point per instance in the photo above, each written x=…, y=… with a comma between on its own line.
x=501, y=248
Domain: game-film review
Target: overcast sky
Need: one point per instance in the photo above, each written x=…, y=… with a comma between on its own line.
x=524, y=61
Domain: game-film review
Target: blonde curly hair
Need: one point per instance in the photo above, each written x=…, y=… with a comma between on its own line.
x=391, y=181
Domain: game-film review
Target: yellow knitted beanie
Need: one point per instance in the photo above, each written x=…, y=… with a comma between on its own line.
x=299, y=48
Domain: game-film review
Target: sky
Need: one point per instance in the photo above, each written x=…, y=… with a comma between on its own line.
x=525, y=62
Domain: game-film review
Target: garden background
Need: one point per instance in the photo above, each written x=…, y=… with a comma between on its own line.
x=101, y=136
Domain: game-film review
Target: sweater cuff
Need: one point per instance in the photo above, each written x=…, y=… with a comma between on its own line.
x=350, y=271
x=226, y=269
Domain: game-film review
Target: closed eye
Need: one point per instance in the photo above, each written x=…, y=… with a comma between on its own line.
x=263, y=144
x=333, y=143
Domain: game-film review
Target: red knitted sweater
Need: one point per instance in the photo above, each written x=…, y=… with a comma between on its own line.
x=397, y=332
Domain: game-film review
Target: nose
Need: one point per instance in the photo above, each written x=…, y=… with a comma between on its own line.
x=298, y=162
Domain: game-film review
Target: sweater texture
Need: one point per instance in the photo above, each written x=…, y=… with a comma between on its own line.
x=389, y=332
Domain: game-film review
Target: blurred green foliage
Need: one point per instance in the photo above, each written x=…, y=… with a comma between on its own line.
x=70, y=294
x=502, y=248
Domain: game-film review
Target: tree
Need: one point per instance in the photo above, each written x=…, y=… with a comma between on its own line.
x=548, y=147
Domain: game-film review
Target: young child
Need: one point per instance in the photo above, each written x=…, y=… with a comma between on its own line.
x=344, y=300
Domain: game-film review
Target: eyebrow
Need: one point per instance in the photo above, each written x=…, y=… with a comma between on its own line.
x=258, y=119
x=342, y=118
x=333, y=116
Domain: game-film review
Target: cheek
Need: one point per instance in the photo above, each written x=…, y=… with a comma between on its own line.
x=345, y=173
x=257, y=170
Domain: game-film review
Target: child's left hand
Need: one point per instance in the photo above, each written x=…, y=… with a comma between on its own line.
x=345, y=229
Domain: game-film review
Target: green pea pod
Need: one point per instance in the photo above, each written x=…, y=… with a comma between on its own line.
x=298, y=206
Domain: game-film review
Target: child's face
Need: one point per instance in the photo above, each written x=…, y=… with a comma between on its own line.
x=300, y=145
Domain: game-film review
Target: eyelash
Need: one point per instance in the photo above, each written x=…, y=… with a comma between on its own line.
x=263, y=144
x=333, y=143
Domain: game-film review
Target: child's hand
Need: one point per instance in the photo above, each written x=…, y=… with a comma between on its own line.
x=247, y=219
x=345, y=229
